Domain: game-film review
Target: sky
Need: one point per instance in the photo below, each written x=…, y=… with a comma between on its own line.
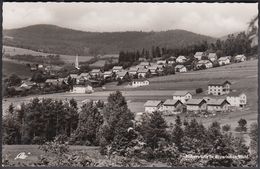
x=213, y=19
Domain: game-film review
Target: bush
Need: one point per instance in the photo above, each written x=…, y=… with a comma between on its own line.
x=226, y=128
x=241, y=126
x=199, y=90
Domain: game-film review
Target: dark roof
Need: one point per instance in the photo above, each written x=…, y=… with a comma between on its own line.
x=142, y=70
x=172, y=102
x=195, y=101
x=218, y=83
x=216, y=102
x=152, y=103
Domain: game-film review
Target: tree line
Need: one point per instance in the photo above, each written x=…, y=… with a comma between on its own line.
x=113, y=127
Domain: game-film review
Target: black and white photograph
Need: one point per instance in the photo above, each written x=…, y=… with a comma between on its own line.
x=88, y=84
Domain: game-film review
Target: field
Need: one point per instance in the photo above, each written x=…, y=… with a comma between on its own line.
x=242, y=75
x=10, y=67
x=20, y=51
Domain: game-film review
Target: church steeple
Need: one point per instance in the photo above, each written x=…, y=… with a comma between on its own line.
x=77, y=62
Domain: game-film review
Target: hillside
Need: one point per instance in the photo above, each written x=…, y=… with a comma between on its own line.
x=55, y=39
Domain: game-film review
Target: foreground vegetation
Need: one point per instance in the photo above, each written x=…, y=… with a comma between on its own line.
x=123, y=141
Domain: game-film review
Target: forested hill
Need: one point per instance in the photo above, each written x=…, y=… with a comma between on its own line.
x=55, y=39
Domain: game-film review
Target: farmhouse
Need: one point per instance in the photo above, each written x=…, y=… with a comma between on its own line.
x=121, y=74
x=143, y=73
x=153, y=69
x=52, y=82
x=180, y=68
x=220, y=105
x=144, y=64
x=207, y=63
x=171, y=60
x=173, y=106
x=224, y=60
x=240, y=58
x=182, y=95
x=217, y=88
x=107, y=74
x=82, y=89
x=212, y=57
x=95, y=72
x=27, y=84
x=152, y=105
x=198, y=55
x=73, y=76
x=181, y=59
x=140, y=82
x=237, y=99
x=117, y=69
x=161, y=62
x=196, y=105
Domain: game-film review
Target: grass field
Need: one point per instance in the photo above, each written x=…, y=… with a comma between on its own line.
x=243, y=77
x=10, y=67
x=20, y=51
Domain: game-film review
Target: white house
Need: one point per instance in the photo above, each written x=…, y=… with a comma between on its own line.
x=219, y=88
x=212, y=57
x=161, y=62
x=182, y=95
x=240, y=58
x=218, y=105
x=171, y=60
x=196, y=105
x=181, y=59
x=207, y=63
x=107, y=74
x=153, y=69
x=174, y=106
x=180, y=68
x=82, y=89
x=121, y=74
x=133, y=71
x=237, y=99
x=152, y=106
x=143, y=73
x=95, y=72
x=117, y=69
x=198, y=55
x=223, y=60
x=140, y=82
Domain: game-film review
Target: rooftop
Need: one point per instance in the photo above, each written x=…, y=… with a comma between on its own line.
x=218, y=83
x=216, y=102
x=171, y=102
x=118, y=67
x=180, y=93
x=194, y=101
x=152, y=103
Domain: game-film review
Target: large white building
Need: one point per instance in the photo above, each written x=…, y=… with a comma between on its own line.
x=182, y=95
x=140, y=82
x=82, y=89
x=218, y=88
x=237, y=99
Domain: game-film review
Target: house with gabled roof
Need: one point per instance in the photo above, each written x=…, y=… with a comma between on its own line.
x=52, y=82
x=196, y=105
x=95, y=72
x=217, y=105
x=121, y=74
x=82, y=89
x=237, y=99
x=207, y=63
x=152, y=105
x=199, y=55
x=27, y=84
x=145, y=64
x=153, y=69
x=181, y=59
x=182, y=95
x=141, y=73
x=173, y=106
x=240, y=58
x=133, y=71
x=180, y=68
x=107, y=74
x=117, y=69
x=161, y=62
x=212, y=57
x=224, y=60
x=218, y=87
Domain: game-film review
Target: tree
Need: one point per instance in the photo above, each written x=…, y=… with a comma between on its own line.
x=199, y=90
x=118, y=120
x=14, y=80
x=177, y=133
x=90, y=120
x=253, y=133
x=154, y=131
x=226, y=128
x=38, y=77
x=241, y=125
